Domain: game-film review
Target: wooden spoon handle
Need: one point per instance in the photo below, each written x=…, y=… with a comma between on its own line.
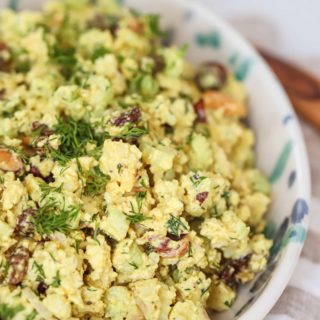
x=302, y=87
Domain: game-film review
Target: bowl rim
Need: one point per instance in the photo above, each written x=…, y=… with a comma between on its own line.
x=291, y=254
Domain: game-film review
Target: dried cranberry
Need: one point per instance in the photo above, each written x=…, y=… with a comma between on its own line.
x=159, y=63
x=199, y=109
x=202, y=196
x=175, y=237
x=42, y=287
x=24, y=226
x=164, y=246
x=49, y=178
x=35, y=171
x=131, y=116
x=168, y=129
x=230, y=268
x=18, y=261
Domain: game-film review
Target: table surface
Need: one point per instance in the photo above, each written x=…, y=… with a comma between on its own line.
x=287, y=28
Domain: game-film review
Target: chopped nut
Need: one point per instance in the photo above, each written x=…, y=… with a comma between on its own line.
x=216, y=100
x=18, y=260
x=10, y=161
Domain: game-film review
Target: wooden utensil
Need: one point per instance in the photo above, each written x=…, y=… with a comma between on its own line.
x=302, y=87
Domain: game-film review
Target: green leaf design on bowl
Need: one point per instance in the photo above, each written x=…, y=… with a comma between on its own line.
x=281, y=162
x=210, y=39
x=13, y=4
x=241, y=67
x=297, y=233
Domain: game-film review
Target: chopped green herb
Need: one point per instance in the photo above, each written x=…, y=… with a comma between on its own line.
x=190, y=250
x=134, y=265
x=154, y=25
x=9, y=312
x=56, y=280
x=96, y=181
x=39, y=270
x=228, y=304
x=91, y=289
x=119, y=167
x=65, y=58
x=74, y=136
x=143, y=183
x=47, y=189
x=136, y=216
x=130, y=132
x=216, y=212
x=32, y=315
x=226, y=195
x=174, y=225
x=203, y=291
x=196, y=179
x=77, y=245
x=190, y=137
x=144, y=84
x=52, y=217
x=52, y=257
x=175, y=274
x=98, y=53
x=96, y=232
x=22, y=66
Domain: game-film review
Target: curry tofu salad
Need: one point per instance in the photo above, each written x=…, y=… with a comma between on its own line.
x=128, y=187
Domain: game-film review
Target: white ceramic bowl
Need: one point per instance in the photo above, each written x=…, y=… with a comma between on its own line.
x=280, y=148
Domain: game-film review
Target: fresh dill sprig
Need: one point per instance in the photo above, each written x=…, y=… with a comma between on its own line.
x=47, y=189
x=56, y=280
x=52, y=217
x=96, y=181
x=134, y=265
x=65, y=58
x=99, y=52
x=74, y=136
x=96, y=231
x=153, y=24
x=130, y=132
x=77, y=243
x=139, y=198
x=9, y=312
x=39, y=270
x=204, y=290
x=32, y=315
x=136, y=216
x=174, y=225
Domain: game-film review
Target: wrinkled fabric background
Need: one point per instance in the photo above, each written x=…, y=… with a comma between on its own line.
x=289, y=28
